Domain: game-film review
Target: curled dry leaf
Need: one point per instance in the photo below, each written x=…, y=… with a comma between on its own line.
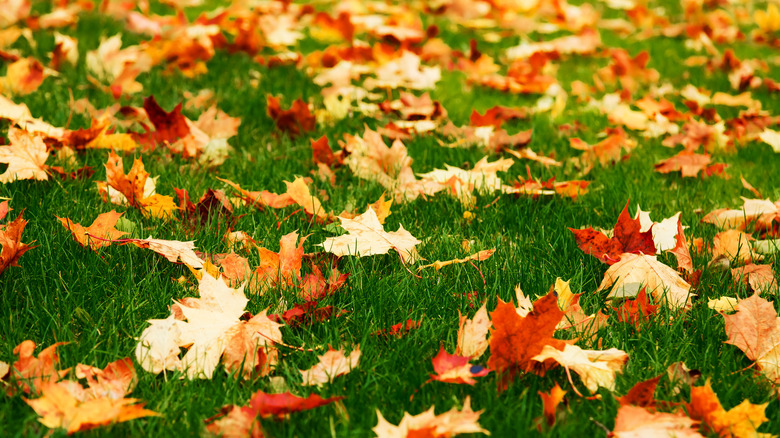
x=761, y=278
x=367, y=237
x=472, y=334
x=331, y=365
x=451, y=423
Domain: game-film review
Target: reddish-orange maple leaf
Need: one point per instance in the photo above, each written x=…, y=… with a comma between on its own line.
x=11, y=241
x=29, y=373
x=636, y=310
x=642, y=394
x=626, y=238
x=451, y=368
x=294, y=121
x=550, y=402
x=515, y=340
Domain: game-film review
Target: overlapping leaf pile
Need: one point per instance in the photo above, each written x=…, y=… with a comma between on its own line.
x=391, y=68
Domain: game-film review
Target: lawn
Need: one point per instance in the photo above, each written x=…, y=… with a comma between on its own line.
x=263, y=142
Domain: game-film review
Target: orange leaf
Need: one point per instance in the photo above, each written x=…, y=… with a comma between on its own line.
x=550, y=402
x=451, y=368
x=515, y=340
x=30, y=372
x=742, y=421
x=11, y=240
x=103, y=228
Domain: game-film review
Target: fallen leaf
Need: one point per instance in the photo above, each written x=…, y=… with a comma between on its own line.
x=741, y=421
x=30, y=373
x=132, y=188
x=99, y=234
x=595, y=368
x=427, y=424
x=11, y=241
x=635, y=421
x=642, y=394
x=636, y=272
x=637, y=310
x=550, y=403
x=761, y=278
x=25, y=156
x=209, y=328
x=64, y=405
x=515, y=340
x=367, y=237
x=472, y=334
x=755, y=329
x=173, y=250
x=686, y=162
x=282, y=268
x=331, y=365
x=479, y=256
x=626, y=238
x=723, y=304
x=452, y=368
x=735, y=246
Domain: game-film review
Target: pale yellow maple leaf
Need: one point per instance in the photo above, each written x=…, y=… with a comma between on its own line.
x=772, y=138
x=462, y=183
x=331, y=365
x=210, y=329
x=664, y=232
x=472, y=334
x=25, y=155
x=595, y=368
x=173, y=250
x=367, y=237
x=723, y=304
x=636, y=271
x=448, y=424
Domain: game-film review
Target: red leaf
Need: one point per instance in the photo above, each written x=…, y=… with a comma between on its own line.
x=169, y=126
x=636, y=310
x=451, y=368
x=294, y=121
x=280, y=405
x=399, y=329
x=628, y=234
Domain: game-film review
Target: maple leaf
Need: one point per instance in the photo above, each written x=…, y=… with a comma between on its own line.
x=761, y=278
x=11, y=241
x=472, y=334
x=759, y=212
x=428, y=424
x=173, y=250
x=681, y=252
x=65, y=405
x=281, y=405
x=331, y=365
x=550, y=403
x=635, y=421
x=636, y=310
x=634, y=272
x=24, y=76
x=306, y=313
x=211, y=330
x=235, y=269
x=294, y=121
x=25, y=155
x=734, y=245
x=482, y=178
x=627, y=238
x=30, y=373
x=723, y=304
x=515, y=340
x=367, y=237
x=664, y=232
x=282, y=268
x=400, y=329
x=103, y=228
x=132, y=188
x=642, y=394
x=212, y=203
x=452, y=368
x=755, y=329
x=595, y=368
x=741, y=421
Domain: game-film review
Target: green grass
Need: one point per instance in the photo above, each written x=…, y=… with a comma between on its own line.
x=99, y=303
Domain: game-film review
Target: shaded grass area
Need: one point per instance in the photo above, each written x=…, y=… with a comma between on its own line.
x=100, y=303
